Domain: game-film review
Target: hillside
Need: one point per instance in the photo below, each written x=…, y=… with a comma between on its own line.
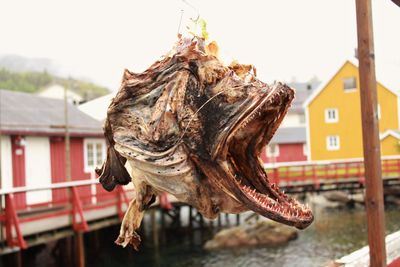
x=31, y=82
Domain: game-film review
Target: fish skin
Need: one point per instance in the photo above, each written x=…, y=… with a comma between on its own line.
x=182, y=126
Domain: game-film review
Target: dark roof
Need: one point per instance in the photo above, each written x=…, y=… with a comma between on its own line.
x=289, y=135
x=303, y=91
x=28, y=113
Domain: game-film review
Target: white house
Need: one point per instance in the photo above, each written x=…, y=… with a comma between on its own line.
x=56, y=91
x=97, y=108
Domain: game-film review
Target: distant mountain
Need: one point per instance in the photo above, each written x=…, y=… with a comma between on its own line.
x=32, y=82
x=18, y=73
x=17, y=63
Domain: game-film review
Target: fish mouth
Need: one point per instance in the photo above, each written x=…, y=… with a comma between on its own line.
x=248, y=181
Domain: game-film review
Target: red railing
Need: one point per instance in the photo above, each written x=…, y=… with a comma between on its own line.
x=327, y=171
x=78, y=198
x=75, y=201
x=74, y=205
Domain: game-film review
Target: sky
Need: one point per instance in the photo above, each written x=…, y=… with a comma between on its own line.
x=285, y=39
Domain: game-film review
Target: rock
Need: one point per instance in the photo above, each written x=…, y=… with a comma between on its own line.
x=358, y=198
x=259, y=233
x=337, y=196
x=392, y=200
x=321, y=201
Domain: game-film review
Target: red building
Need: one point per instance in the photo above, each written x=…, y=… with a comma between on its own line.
x=33, y=148
x=287, y=145
x=289, y=142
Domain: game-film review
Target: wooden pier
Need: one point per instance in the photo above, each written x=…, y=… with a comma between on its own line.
x=80, y=211
x=361, y=257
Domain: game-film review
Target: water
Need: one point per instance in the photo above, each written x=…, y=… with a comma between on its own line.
x=335, y=233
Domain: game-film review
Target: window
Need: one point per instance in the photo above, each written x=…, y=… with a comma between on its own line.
x=272, y=150
x=94, y=154
x=333, y=142
x=349, y=84
x=331, y=115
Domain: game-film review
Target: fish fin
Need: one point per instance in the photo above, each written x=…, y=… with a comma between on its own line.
x=131, y=222
x=113, y=171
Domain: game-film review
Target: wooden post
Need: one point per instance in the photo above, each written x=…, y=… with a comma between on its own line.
x=13, y=259
x=154, y=227
x=397, y=2
x=1, y=197
x=67, y=151
x=371, y=144
x=190, y=218
x=67, y=251
x=200, y=216
x=67, y=137
x=80, y=249
x=211, y=224
x=227, y=221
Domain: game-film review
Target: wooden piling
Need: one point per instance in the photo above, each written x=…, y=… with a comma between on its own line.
x=190, y=218
x=397, y=2
x=162, y=212
x=80, y=249
x=13, y=259
x=154, y=228
x=178, y=216
x=201, y=219
x=371, y=144
x=227, y=221
x=67, y=251
x=211, y=224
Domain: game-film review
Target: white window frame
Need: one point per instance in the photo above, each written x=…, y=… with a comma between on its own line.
x=305, y=149
x=94, y=142
x=329, y=145
x=329, y=118
x=273, y=154
x=379, y=113
x=302, y=119
x=352, y=89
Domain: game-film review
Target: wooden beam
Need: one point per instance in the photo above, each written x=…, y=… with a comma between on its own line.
x=67, y=137
x=80, y=249
x=397, y=2
x=371, y=143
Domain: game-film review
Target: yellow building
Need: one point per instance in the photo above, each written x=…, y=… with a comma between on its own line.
x=333, y=118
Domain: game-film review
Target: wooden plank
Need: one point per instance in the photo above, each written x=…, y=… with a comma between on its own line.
x=371, y=143
x=361, y=257
x=80, y=249
x=397, y=2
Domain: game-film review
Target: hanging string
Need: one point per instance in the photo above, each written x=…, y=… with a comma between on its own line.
x=180, y=22
x=194, y=8
x=181, y=17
